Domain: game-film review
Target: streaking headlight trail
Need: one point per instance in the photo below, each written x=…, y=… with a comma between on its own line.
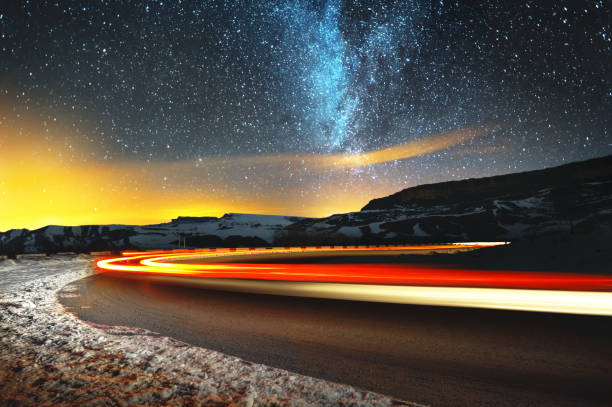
x=396, y=283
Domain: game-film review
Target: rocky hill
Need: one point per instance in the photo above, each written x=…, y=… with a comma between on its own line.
x=568, y=176
x=573, y=198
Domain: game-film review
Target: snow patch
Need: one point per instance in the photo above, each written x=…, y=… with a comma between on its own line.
x=375, y=227
x=350, y=231
x=417, y=231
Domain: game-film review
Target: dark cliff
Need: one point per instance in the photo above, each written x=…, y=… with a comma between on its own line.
x=474, y=189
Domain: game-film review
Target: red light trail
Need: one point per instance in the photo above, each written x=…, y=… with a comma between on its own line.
x=553, y=292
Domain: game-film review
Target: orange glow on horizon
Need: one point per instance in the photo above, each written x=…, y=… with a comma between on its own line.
x=59, y=180
x=41, y=184
x=43, y=192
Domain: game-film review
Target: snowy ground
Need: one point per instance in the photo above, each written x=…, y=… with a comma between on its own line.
x=49, y=357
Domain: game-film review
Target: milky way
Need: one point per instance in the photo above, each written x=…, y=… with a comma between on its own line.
x=169, y=81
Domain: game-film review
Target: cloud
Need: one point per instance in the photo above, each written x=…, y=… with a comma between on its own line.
x=345, y=161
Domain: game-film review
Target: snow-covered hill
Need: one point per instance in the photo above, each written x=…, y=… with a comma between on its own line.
x=572, y=198
x=581, y=208
x=233, y=229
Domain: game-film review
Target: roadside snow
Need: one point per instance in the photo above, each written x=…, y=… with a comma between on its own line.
x=49, y=357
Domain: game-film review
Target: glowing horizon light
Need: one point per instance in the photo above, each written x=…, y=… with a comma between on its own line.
x=398, y=283
x=36, y=188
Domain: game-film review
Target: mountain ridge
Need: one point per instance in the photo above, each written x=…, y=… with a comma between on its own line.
x=592, y=170
x=573, y=198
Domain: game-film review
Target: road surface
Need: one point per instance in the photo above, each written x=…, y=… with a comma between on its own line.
x=438, y=356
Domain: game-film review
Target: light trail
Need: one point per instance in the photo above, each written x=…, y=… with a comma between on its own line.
x=399, y=283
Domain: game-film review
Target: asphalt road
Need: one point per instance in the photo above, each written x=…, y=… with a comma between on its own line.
x=433, y=355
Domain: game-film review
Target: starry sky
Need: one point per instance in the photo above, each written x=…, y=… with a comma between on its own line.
x=139, y=111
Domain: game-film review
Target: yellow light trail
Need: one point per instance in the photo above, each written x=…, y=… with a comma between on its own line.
x=400, y=283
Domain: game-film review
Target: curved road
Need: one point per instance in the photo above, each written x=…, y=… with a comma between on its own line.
x=433, y=355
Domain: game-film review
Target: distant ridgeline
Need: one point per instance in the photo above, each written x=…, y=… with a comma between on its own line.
x=231, y=230
x=567, y=177
x=188, y=219
x=574, y=198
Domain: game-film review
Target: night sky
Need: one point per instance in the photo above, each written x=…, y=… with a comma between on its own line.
x=116, y=111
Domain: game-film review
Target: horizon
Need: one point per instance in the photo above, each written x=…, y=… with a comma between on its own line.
x=221, y=214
